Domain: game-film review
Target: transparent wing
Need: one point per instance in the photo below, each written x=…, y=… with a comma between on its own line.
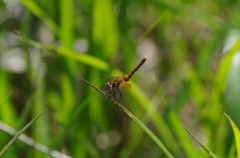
x=109, y=76
x=125, y=86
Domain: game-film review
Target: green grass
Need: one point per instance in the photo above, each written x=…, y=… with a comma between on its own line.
x=188, y=79
x=16, y=135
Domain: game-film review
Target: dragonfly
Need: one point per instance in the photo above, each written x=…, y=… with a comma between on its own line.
x=118, y=84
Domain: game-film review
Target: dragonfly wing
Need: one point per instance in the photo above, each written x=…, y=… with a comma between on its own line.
x=126, y=86
x=109, y=76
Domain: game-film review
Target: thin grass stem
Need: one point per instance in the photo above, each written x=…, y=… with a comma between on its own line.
x=136, y=120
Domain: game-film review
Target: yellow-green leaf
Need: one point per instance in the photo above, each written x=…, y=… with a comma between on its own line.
x=236, y=134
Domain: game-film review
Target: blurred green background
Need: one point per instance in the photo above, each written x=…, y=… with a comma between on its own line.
x=191, y=75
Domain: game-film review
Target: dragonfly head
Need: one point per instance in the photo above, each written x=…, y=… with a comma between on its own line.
x=108, y=84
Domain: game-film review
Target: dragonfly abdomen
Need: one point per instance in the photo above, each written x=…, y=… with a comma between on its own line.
x=128, y=76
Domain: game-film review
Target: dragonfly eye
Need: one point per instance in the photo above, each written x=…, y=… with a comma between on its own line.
x=108, y=84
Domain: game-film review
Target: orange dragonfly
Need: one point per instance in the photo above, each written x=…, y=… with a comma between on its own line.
x=118, y=84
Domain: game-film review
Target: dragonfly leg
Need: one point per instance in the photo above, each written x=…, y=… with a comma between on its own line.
x=119, y=93
x=112, y=91
x=115, y=90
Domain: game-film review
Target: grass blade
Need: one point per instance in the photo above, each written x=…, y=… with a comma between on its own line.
x=20, y=132
x=4, y=101
x=201, y=144
x=32, y=142
x=236, y=134
x=38, y=12
x=144, y=34
x=83, y=58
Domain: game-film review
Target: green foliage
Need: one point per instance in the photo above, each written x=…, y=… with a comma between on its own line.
x=236, y=134
x=201, y=144
x=190, y=76
x=20, y=132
